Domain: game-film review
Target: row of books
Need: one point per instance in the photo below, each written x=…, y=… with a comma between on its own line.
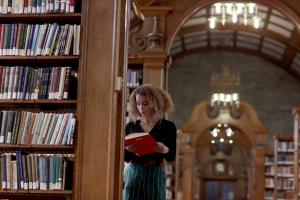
x=269, y=194
x=39, y=39
x=285, y=171
x=285, y=146
x=22, y=127
x=269, y=170
x=283, y=195
x=134, y=78
x=28, y=83
x=36, y=6
x=286, y=183
x=285, y=159
x=269, y=160
x=269, y=182
x=36, y=171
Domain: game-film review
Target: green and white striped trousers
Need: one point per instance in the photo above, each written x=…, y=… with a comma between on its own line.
x=144, y=182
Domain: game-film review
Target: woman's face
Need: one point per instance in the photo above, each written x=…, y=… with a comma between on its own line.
x=144, y=106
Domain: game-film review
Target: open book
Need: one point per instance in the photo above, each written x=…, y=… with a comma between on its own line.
x=145, y=140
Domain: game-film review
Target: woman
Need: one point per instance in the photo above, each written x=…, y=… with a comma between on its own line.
x=144, y=176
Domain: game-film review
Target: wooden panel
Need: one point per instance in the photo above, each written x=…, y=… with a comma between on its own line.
x=154, y=76
x=97, y=101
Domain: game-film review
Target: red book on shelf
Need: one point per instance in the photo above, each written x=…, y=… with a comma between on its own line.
x=145, y=140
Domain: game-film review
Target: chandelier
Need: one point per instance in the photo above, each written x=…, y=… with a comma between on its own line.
x=225, y=93
x=236, y=12
x=222, y=133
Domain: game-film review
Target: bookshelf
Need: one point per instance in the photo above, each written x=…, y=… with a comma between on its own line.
x=39, y=64
x=284, y=167
x=269, y=176
x=170, y=180
x=296, y=114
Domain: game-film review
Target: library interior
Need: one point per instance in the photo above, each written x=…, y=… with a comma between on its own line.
x=73, y=72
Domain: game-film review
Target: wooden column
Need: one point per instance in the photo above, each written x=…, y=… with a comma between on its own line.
x=154, y=74
x=251, y=179
x=188, y=174
x=154, y=67
x=96, y=156
x=259, y=173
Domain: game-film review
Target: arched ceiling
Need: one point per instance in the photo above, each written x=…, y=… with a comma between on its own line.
x=276, y=40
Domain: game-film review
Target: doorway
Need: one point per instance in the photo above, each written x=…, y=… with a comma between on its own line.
x=219, y=189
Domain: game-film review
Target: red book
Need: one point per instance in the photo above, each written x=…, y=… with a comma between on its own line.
x=145, y=140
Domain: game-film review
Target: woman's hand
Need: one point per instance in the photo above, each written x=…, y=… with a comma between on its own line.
x=161, y=148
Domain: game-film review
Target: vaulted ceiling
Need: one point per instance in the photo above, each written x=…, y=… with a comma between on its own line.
x=277, y=40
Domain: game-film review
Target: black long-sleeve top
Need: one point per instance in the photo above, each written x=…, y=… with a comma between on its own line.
x=164, y=131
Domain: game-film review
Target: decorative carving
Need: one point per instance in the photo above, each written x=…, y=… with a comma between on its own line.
x=212, y=112
x=138, y=42
x=236, y=112
x=225, y=81
x=155, y=38
x=225, y=147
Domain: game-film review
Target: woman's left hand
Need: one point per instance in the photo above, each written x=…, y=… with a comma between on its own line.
x=161, y=148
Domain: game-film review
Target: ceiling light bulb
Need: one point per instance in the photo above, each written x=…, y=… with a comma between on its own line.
x=235, y=96
x=234, y=17
x=251, y=8
x=230, y=141
x=229, y=132
x=221, y=139
x=228, y=98
x=256, y=22
x=213, y=141
x=222, y=96
x=218, y=8
x=214, y=132
x=212, y=22
x=239, y=8
x=229, y=8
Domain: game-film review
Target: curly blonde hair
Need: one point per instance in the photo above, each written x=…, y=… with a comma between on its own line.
x=160, y=99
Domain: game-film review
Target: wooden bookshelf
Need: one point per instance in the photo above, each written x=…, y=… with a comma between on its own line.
x=269, y=176
x=57, y=106
x=170, y=180
x=296, y=114
x=37, y=148
x=284, y=181
x=39, y=60
x=41, y=18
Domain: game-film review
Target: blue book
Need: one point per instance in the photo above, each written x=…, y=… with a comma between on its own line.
x=20, y=176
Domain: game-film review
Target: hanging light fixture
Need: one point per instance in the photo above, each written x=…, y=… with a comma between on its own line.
x=225, y=88
x=225, y=93
x=234, y=12
x=222, y=133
